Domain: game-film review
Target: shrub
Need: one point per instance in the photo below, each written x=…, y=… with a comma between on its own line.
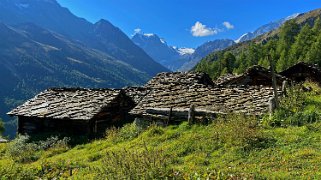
x=53, y=142
x=235, y=129
x=292, y=110
x=21, y=150
x=58, y=170
x=128, y=132
x=155, y=130
x=239, y=131
x=14, y=171
x=128, y=164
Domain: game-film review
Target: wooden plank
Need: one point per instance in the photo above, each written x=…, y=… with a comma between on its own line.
x=179, y=112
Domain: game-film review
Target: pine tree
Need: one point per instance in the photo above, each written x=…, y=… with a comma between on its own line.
x=289, y=31
x=300, y=48
x=317, y=26
x=240, y=65
x=253, y=55
x=314, y=54
x=282, y=63
x=287, y=36
x=228, y=61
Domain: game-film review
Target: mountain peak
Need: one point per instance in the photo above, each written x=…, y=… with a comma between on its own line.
x=146, y=35
x=150, y=37
x=103, y=26
x=103, y=22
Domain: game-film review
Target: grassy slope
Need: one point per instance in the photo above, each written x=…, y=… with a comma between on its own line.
x=237, y=148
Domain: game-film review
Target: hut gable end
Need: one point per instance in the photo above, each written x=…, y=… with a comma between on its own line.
x=254, y=76
x=302, y=72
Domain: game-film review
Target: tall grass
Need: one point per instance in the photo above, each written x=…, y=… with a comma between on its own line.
x=295, y=109
x=230, y=147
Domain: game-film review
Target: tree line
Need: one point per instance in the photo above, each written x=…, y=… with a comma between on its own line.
x=294, y=43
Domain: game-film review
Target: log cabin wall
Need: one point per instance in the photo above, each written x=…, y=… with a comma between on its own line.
x=34, y=125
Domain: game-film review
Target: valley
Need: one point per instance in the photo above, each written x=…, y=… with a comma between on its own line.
x=82, y=97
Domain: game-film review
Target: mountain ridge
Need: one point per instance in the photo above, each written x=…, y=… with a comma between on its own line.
x=60, y=49
x=265, y=28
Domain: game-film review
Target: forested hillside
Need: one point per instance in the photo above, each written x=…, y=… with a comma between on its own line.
x=44, y=45
x=296, y=41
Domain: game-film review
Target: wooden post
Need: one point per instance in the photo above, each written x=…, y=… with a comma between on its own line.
x=191, y=115
x=284, y=86
x=274, y=82
x=95, y=127
x=170, y=115
x=271, y=105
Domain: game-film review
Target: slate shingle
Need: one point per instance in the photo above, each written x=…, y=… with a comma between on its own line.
x=67, y=103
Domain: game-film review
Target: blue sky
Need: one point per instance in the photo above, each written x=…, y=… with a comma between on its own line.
x=174, y=19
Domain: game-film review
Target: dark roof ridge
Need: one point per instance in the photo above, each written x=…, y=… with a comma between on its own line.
x=71, y=89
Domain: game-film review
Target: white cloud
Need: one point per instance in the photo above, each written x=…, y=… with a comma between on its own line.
x=137, y=30
x=228, y=25
x=200, y=30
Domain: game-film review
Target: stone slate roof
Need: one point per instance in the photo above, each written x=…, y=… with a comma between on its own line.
x=179, y=78
x=136, y=93
x=225, y=78
x=249, y=100
x=301, y=72
x=254, y=76
x=67, y=103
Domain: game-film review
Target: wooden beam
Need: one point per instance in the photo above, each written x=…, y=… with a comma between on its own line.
x=191, y=115
x=274, y=85
x=183, y=112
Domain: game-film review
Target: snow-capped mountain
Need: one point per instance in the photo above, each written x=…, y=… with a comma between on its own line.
x=156, y=47
x=174, y=58
x=265, y=28
x=205, y=49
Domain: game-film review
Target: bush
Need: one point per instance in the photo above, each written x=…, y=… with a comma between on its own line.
x=53, y=142
x=235, y=129
x=128, y=164
x=14, y=171
x=239, y=131
x=21, y=150
x=292, y=110
x=58, y=170
x=128, y=132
